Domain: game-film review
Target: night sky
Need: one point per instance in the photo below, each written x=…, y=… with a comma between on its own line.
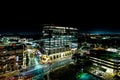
x=85, y=23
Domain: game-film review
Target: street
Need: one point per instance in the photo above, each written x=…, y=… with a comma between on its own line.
x=57, y=64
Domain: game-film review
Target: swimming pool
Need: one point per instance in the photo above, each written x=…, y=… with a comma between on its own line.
x=86, y=76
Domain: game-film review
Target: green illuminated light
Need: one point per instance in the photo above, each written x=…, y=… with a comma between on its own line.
x=85, y=76
x=36, y=61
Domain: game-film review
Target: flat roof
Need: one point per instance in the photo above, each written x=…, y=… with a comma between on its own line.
x=106, y=55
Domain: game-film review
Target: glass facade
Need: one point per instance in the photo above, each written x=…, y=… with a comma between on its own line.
x=59, y=39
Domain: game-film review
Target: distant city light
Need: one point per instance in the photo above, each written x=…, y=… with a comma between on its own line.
x=112, y=50
x=17, y=58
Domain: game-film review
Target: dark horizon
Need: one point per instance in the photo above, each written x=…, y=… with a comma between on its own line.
x=33, y=24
